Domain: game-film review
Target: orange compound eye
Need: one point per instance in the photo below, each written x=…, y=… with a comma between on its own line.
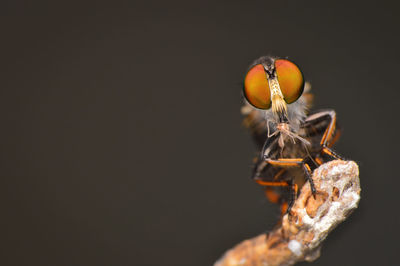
x=256, y=89
x=290, y=79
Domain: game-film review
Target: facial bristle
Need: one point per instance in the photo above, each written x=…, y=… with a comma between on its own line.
x=278, y=104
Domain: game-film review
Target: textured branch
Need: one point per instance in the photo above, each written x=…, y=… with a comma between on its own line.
x=300, y=235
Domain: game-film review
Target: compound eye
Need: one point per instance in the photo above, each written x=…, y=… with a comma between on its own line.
x=256, y=89
x=290, y=80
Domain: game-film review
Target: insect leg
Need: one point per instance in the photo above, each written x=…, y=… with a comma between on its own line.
x=272, y=183
x=293, y=195
x=330, y=135
x=296, y=162
x=307, y=170
x=335, y=138
x=330, y=152
x=270, y=193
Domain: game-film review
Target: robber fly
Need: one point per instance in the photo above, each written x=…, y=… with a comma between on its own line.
x=291, y=142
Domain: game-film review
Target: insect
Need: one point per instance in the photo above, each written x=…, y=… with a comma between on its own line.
x=291, y=142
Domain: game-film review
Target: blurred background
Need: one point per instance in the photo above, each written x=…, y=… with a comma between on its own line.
x=121, y=136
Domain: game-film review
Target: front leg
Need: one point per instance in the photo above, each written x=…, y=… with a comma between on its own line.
x=295, y=162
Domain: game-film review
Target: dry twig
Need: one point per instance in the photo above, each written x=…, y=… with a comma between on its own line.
x=300, y=234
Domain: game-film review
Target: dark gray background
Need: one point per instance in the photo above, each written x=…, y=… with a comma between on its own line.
x=121, y=137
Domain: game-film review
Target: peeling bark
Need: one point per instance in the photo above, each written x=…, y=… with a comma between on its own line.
x=301, y=233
